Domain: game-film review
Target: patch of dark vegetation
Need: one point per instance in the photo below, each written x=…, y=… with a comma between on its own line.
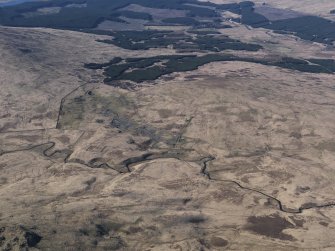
x=213, y=24
x=25, y=51
x=121, y=123
x=325, y=224
x=305, y=189
x=293, y=64
x=147, y=69
x=152, y=156
x=134, y=230
x=309, y=205
x=194, y=219
x=194, y=11
x=94, y=66
x=102, y=229
x=296, y=135
x=285, y=32
x=217, y=44
x=274, y=14
x=113, y=72
x=328, y=64
x=18, y=238
x=204, y=32
x=135, y=15
x=140, y=40
x=186, y=200
x=100, y=121
x=169, y=64
x=301, y=65
x=147, y=131
x=138, y=76
x=96, y=162
x=311, y=28
x=94, y=13
x=218, y=242
x=298, y=222
x=270, y=226
x=123, y=85
x=115, y=18
x=326, y=145
x=249, y=16
x=144, y=40
x=181, y=20
x=116, y=243
x=145, y=145
x=32, y=238
x=136, y=159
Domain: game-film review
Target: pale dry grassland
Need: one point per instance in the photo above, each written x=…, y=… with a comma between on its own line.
x=232, y=156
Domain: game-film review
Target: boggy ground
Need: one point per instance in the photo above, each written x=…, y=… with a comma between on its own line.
x=232, y=156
